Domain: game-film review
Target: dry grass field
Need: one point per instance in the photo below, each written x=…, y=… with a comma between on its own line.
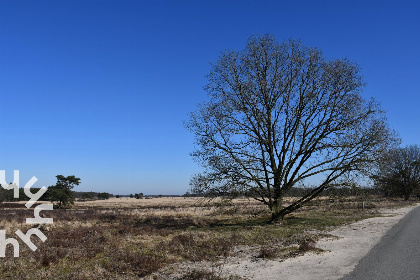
x=128, y=238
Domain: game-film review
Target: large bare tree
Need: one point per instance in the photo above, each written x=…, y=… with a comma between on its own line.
x=280, y=113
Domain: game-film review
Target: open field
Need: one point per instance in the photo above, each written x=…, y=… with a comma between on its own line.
x=129, y=238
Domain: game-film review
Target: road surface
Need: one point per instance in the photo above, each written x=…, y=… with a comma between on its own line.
x=396, y=256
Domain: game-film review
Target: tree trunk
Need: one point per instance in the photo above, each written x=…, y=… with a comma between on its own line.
x=275, y=211
x=278, y=211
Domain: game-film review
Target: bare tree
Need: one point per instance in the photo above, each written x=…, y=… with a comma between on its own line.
x=279, y=114
x=398, y=172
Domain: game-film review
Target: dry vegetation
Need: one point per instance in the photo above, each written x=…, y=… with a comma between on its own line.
x=129, y=238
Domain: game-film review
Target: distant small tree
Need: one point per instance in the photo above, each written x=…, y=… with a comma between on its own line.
x=138, y=195
x=131, y=196
x=103, y=195
x=62, y=192
x=117, y=196
x=398, y=172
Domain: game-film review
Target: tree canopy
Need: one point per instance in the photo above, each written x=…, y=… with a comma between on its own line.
x=279, y=114
x=62, y=192
x=398, y=172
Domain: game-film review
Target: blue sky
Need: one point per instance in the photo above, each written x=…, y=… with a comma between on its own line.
x=100, y=89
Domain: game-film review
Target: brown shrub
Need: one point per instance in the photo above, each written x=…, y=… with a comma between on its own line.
x=50, y=255
x=307, y=245
x=268, y=252
x=200, y=247
x=167, y=222
x=142, y=263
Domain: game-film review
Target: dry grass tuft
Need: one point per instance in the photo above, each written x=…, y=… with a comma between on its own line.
x=307, y=245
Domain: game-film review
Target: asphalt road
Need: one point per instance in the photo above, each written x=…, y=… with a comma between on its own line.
x=396, y=256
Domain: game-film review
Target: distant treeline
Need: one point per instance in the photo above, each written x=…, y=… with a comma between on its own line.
x=92, y=195
x=299, y=192
x=141, y=195
x=7, y=195
x=336, y=191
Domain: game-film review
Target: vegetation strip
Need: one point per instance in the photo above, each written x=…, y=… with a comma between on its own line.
x=95, y=241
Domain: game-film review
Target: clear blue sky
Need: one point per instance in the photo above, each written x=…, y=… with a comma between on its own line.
x=100, y=89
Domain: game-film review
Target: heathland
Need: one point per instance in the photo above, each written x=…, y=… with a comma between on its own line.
x=179, y=238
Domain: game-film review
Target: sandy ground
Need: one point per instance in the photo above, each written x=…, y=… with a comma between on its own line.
x=341, y=257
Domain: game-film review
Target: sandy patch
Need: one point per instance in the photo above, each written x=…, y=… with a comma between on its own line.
x=343, y=253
